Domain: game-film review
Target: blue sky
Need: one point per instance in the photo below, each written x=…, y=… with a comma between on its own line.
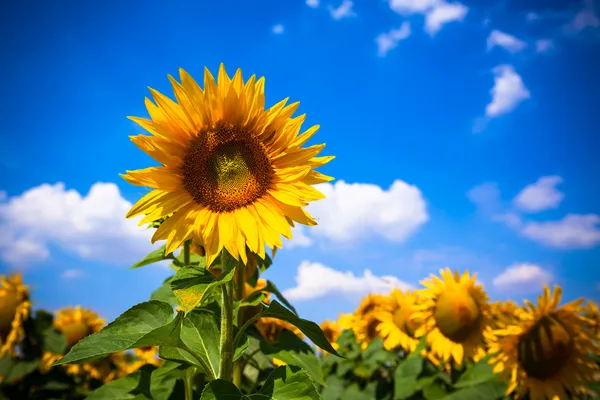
x=465, y=137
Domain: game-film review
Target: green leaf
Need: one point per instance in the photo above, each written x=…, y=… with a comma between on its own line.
x=489, y=390
x=179, y=355
x=241, y=348
x=148, y=382
x=292, y=350
x=190, y=285
x=11, y=369
x=164, y=293
x=152, y=257
x=476, y=374
x=152, y=323
x=334, y=388
x=405, y=377
x=309, y=328
x=434, y=391
x=284, y=383
x=54, y=341
x=273, y=289
x=200, y=334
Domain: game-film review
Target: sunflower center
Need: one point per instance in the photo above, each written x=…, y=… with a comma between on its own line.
x=546, y=348
x=457, y=314
x=401, y=318
x=371, y=329
x=75, y=331
x=8, y=309
x=226, y=168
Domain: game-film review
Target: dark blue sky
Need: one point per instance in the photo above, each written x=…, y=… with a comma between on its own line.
x=72, y=71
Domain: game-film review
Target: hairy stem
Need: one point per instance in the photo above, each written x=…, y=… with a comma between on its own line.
x=238, y=367
x=226, y=362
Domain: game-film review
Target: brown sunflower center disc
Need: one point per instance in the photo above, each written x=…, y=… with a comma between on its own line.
x=9, y=301
x=402, y=320
x=75, y=331
x=226, y=168
x=371, y=329
x=457, y=314
x=545, y=349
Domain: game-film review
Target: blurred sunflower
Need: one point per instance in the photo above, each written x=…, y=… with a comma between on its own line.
x=397, y=328
x=346, y=321
x=370, y=304
x=332, y=332
x=503, y=313
x=232, y=173
x=271, y=328
x=366, y=329
x=14, y=309
x=455, y=314
x=147, y=355
x=592, y=315
x=75, y=323
x=545, y=356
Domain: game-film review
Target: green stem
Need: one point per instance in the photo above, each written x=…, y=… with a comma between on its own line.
x=189, y=383
x=238, y=367
x=186, y=253
x=241, y=331
x=226, y=345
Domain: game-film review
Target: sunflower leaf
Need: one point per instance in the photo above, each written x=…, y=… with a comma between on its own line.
x=292, y=350
x=406, y=374
x=152, y=323
x=153, y=257
x=190, y=285
x=476, y=374
x=273, y=289
x=200, y=333
x=309, y=328
x=164, y=293
x=284, y=383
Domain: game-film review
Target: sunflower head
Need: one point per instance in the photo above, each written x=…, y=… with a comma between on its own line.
x=397, y=327
x=332, y=332
x=592, y=314
x=455, y=315
x=75, y=323
x=147, y=355
x=371, y=304
x=14, y=309
x=366, y=329
x=271, y=328
x=346, y=321
x=232, y=173
x=545, y=353
x=503, y=313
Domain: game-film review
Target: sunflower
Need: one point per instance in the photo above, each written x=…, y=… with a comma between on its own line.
x=397, y=328
x=75, y=323
x=346, y=321
x=546, y=354
x=370, y=304
x=271, y=328
x=233, y=174
x=14, y=309
x=592, y=315
x=455, y=315
x=503, y=313
x=332, y=332
x=147, y=355
x=366, y=330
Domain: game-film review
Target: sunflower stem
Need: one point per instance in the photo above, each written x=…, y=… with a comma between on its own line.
x=238, y=367
x=188, y=383
x=226, y=362
x=186, y=253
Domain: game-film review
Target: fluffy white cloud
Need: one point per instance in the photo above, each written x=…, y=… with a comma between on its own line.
x=299, y=238
x=343, y=11
x=541, y=195
x=353, y=211
x=486, y=197
x=312, y=3
x=544, y=45
x=278, y=29
x=506, y=41
x=442, y=14
x=522, y=276
x=508, y=91
x=92, y=226
x=437, y=12
x=73, y=273
x=315, y=280
x=388, y=41
x=574, y=231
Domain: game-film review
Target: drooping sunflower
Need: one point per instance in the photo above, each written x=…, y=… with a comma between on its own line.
x=14, y=309
x=332, y=332
x=232, y=173
x=546, y=354
x=75, y=323
x=455, y=314
x=397, y=328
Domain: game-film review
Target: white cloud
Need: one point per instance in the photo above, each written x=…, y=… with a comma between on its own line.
x=437, y=12
x=506, y=41
x=510, y=219
x=356, y=211
x=531, y=16
x=508, y=91
x=574, y=231
x=486, y=197
x=388, y=41
x=315, y=280
x=586, y=18
x=522, y=276
x=92, y=226
x=73, y=273
x=3, y=195
x=278, y=29
x=299, y=238
x=343, y=11
x=312, y=3
x=540, y=196
x=544, y=45
x=442, y=14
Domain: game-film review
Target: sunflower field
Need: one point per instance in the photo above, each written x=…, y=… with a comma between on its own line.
x=233, y=179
